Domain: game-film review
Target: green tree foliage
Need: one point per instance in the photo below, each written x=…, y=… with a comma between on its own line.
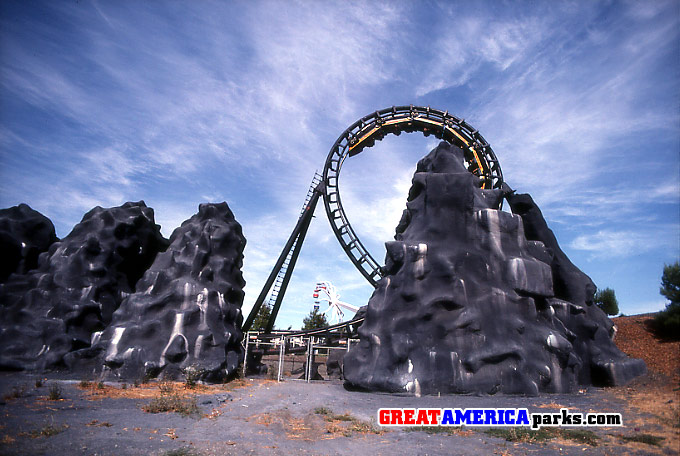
x=314, y=320
x=606, y=300
x=670, y=282
x=667, y=322
x=262, y=318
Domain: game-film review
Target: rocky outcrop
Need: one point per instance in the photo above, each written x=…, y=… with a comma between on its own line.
x=185, y=316
x=469, y=304
x=593, y=328
x=79, y=283
x=24, y=235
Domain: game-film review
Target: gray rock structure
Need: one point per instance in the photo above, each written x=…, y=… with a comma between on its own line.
x=80, y=281
x=469, y=303
x=186, y=313
x=24, y=235
x=571, y=285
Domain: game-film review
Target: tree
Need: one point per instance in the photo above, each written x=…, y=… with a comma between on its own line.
x=667, y=322
x=606, y=300
x=314, y=320
x=262, y=318
x=670, y=282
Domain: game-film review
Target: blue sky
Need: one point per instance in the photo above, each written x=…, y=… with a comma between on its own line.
x=179, y=103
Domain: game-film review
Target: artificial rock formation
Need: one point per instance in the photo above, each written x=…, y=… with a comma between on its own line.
x=469, y=305
x=592, y=327
x=24, y=235
x=79, y=283
x=186, y=313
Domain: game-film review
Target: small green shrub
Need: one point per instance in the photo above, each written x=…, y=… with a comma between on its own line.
x=344, y=417
x=192, y=374
x=54, y=393
x=174, y=403
x=170, y=401
x=580, y=436
x=666, y=324
x=364, y=427
x=17, y=392
x=48, y=431
x=356, y=425
x=520, y=434
x=184, y=451
x=166, y=388
x=525, y=435
x=323, y=411
x=644, y=438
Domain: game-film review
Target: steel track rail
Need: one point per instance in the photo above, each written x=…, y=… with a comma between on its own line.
x=480, y=160
x=311, y=332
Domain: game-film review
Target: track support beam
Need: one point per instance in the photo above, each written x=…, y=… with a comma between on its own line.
x=294, y=242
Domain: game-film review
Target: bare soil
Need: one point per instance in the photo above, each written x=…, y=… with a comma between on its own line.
x=653, y=400
x=635, y=338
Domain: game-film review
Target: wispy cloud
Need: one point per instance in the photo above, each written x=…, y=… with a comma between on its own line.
x=462, y=49
x=108, y=101
x=621, y=244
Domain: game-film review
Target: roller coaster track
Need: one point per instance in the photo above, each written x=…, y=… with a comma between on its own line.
x=278, y=279
x=480, y=160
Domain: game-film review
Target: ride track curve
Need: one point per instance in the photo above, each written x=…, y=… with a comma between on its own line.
x=480, y=160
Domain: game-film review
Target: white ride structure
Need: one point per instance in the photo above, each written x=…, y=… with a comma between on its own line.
x=326, y=292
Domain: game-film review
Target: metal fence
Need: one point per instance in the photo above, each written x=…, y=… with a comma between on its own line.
x=290, y=356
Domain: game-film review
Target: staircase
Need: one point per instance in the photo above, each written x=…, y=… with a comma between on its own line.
x=316, y=180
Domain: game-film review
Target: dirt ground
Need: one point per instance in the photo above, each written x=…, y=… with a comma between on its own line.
x=634, y=338
x=51, y=416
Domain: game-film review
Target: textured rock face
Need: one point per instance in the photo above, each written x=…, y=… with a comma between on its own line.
x=24, y=235
x=77, y=286
x=592, y=326
x=468, y=304
x=186, y=313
